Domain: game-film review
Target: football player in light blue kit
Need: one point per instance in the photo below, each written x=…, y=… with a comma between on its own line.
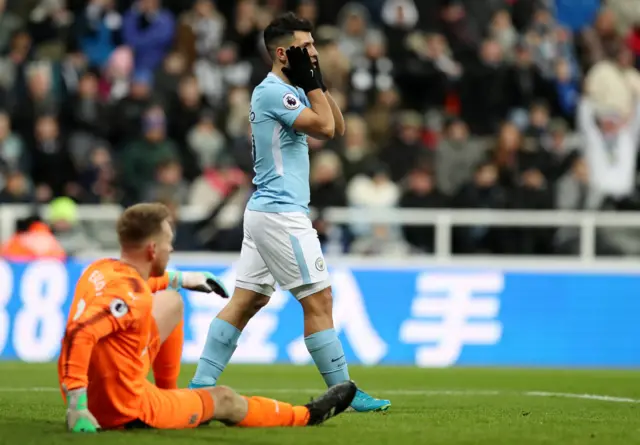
x=280, y=244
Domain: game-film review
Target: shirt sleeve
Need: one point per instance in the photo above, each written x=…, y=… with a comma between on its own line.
x=282, y=104
x=159, y=283
x=112, y=311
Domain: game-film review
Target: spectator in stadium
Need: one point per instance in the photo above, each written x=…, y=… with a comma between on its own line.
x=200, y=32
x=599, y=41
x=236, y=111
x=457, y=156
x=217, y=76
x=97, y=31
x=114, y=82
x=353, y=22
x=10, y=23
x=563, y=149
x=574, y=192
x=524, y=80
x=13, y=65
x=245, y=28
x=142, y=157
x=206, y=141
x=406, y=148
x=187, y=107
x=613, y=85
x=168, y=184
x=428, y=72
x=482, y=192
x=32, y=240
x=399, y=17
x=53, y=171
x=503, y=31
x=357, y=153
x=148, y=30
x=40, y=98
x=16, y=189
x=127, y=112
x=374, y=190
x=538, y=120
x=421, y=193
x=167, y=78
x=380, y=117
x=50, y=26
x=485, y=102
x=567, y=90
x=626, y=12
x=13, y=153
x=97, y=177
x=84, y=116
x=63, y=219
x=327, y=181
x=611, y=149
x=308, y=10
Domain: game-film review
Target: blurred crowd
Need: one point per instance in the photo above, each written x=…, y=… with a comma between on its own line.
x=501, y=104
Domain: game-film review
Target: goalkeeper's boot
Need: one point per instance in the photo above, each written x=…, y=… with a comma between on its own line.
x=364, y=403
x=331, y=403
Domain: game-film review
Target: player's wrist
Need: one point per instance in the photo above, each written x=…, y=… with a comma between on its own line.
x=176, y=280
x=310, y=85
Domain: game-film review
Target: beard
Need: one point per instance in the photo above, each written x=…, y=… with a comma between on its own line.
x=157, y=269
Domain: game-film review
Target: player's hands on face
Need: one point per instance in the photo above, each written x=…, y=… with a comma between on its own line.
x=301, y=71
x=79, y=419
x=204, y=282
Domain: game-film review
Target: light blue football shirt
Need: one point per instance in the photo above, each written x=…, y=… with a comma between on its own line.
x=280, y=154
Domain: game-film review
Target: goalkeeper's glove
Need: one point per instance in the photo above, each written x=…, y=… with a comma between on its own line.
x=197, y=281
x=79, y=419
x=301, y=71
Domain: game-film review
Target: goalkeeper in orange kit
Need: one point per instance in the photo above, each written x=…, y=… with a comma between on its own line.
x=118, y=330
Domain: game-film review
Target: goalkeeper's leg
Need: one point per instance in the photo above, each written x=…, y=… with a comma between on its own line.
x=166, y=350
x=258, y=412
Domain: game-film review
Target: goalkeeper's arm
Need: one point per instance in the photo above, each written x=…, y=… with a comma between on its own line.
x=80, y=338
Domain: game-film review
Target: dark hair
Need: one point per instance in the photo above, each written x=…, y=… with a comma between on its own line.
x=282, y=28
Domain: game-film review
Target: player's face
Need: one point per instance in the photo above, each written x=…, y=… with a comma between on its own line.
x=162, y=251
x=305, y=40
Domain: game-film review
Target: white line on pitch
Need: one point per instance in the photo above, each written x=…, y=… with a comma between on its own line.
x=402, y=392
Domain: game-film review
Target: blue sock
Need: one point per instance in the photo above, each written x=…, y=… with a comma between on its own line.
x=222, y=341
x=327, y=353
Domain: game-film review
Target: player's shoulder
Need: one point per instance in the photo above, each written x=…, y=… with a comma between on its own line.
x=272, y=93
x=115, y=275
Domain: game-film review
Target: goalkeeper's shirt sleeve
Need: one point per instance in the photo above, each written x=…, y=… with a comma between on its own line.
x=159, y=283
x=111, y=312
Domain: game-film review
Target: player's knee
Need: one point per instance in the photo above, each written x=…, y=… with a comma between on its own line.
x=174, y=303
x=319, y=304
x=249, y=302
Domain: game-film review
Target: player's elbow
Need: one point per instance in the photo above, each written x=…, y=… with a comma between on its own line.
x=328, y=132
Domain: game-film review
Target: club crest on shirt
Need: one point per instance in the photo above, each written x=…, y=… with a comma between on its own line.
x=290, y=101
x=320, y=264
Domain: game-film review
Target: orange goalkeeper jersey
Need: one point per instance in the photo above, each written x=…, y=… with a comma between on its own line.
x=108, y=333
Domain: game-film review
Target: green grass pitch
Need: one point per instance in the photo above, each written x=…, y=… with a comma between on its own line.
x=446, y=406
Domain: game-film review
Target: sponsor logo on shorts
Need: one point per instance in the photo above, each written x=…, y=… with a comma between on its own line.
x=320, y=264
x=193, y=419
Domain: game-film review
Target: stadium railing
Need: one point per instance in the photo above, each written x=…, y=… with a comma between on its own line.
x=442, y=220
